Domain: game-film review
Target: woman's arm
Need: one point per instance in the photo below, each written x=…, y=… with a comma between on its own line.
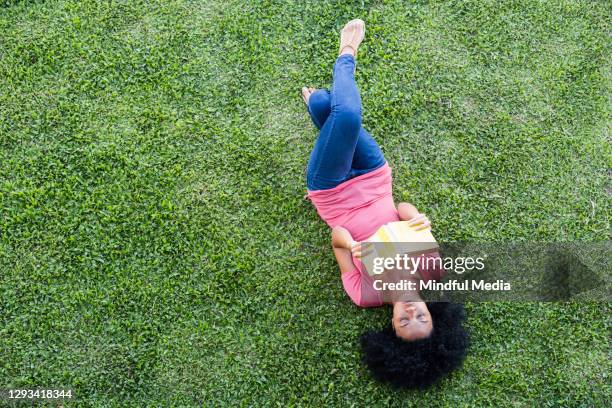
x=342, y=238
x=343, y=245
x=345, y=248
x=345, y=260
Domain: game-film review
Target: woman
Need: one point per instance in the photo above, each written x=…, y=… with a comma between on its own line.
x=349, y=182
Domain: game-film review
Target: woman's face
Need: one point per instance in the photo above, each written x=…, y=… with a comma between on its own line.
x=411, y=320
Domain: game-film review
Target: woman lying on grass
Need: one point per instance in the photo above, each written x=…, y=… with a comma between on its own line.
x=349, y=182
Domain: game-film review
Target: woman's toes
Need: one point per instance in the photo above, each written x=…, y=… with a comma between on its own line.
x=306, y=92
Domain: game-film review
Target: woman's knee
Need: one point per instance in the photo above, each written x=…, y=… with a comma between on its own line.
x=349, y=117
x=320, y=101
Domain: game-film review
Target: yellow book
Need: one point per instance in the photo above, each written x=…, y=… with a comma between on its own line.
x=401, y=239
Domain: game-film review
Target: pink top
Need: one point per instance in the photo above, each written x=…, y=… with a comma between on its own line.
x=361, y=205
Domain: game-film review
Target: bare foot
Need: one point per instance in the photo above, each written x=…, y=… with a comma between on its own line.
x=306, y=92
x=351, y=36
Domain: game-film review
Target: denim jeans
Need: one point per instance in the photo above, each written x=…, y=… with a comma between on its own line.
x=344, y=149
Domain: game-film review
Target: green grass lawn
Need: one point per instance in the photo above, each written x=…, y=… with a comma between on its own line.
x=155, y=246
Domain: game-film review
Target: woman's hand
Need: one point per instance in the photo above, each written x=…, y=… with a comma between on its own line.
x=342, y=238
x=407, y=211
x=355, y=248
x=361, y=249
x=419, y=222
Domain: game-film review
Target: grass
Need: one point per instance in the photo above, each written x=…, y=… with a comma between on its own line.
x=155, y=246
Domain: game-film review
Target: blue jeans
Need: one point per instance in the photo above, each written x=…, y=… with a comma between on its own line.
x=344, y=149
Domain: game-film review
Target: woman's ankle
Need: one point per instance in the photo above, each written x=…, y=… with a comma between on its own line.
x=348, y=50
x=348, y=55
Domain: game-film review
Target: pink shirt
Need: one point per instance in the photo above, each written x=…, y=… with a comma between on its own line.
x=361, y=205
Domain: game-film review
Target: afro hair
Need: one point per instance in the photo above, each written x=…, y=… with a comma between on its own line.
x=418, y=363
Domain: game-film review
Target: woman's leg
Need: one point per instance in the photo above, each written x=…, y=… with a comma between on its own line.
x=319, y=106
x=332, y=155
x=367, y=156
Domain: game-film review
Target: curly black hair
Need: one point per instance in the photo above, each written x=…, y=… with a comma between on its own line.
x=418, y=363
